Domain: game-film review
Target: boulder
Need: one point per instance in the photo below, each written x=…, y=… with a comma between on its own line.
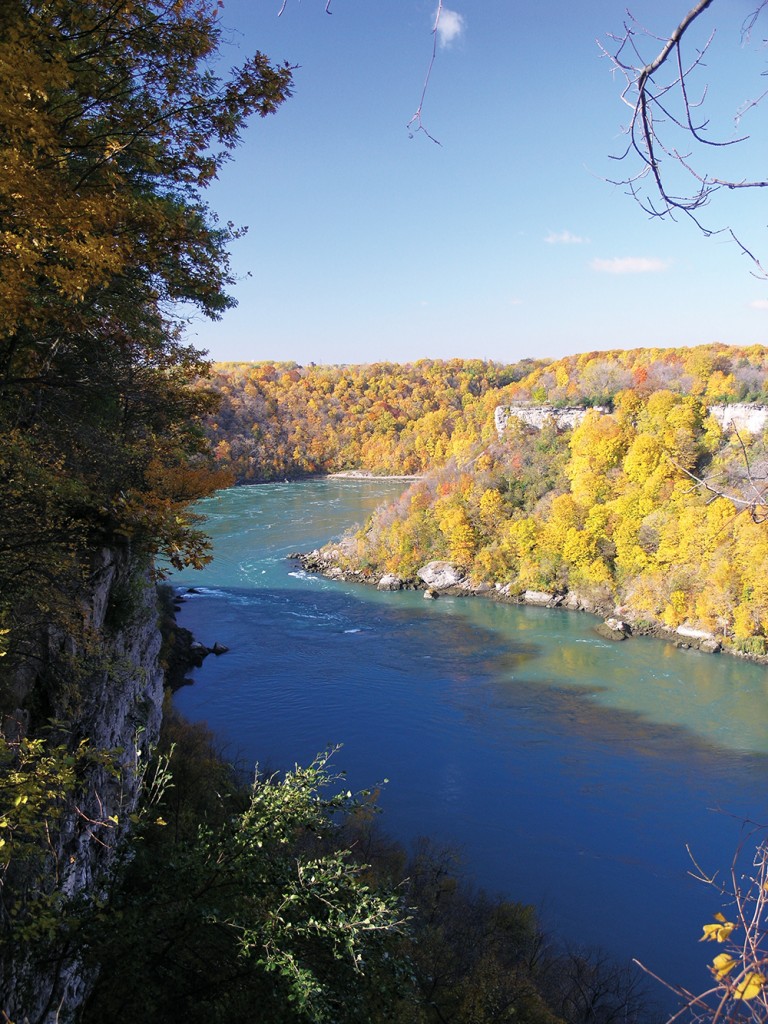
x=430, y=594
x=219, y=648
x=390, y=582
x=538, y=597
x=613, y=629
x=440, y=575
x=710, y=646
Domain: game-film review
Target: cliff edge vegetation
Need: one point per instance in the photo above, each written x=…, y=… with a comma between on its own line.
x=112, y=123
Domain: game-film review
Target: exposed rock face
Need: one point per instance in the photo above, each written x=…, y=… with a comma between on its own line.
x=690, y=633
x=537, y=415
x=541, y=598
x=749, y=419
x=742, y=416
x=116, y=703
x=441, y=575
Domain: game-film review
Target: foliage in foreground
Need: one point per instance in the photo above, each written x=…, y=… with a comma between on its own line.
x=284, y=903
x=739, y=972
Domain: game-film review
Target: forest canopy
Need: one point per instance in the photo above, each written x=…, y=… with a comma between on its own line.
x=648, y=503
x=113, y=120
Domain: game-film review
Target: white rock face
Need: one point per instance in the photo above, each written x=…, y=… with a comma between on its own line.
x=537, y=415
x=746, y=418
x=742, y=416
x=538, y=597
x=440, y=575
x=694, y=634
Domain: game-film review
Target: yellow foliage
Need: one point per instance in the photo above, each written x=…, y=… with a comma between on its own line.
x=750, y=986
x=491, y=509
x=458, y=532
x=676, y=610
x=718, y=931
x=723, y=964
x=743, y=622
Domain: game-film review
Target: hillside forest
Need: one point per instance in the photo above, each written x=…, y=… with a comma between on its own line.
x=647, y=504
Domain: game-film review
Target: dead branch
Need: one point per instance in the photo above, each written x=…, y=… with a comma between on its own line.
x=664, y=110
x=416, y=124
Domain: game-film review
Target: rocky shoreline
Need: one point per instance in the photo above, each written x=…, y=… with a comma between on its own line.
x=442, y=578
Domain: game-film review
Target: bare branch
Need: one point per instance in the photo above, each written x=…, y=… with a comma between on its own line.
x=416, y=124
x=654, y=89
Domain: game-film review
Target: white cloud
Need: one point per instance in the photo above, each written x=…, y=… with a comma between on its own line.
x=759, y=304
x=449, y=27
x=629, y=265
x=564, y=238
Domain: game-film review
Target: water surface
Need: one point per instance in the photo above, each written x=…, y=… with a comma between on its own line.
x=573, y=772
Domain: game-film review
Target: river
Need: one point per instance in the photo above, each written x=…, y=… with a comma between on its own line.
x=572, y=772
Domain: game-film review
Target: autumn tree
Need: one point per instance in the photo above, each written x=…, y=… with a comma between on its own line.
x=113, y=120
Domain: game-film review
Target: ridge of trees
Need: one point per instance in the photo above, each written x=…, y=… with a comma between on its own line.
x=278, y=420
x=611, y=509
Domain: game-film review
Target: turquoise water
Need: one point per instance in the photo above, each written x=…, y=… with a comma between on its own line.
x=571, y=772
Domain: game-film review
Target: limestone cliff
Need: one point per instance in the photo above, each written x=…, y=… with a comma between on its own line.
x=746, y=417
x=106, y=686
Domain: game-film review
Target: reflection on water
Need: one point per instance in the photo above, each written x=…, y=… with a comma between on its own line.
x=572, y=771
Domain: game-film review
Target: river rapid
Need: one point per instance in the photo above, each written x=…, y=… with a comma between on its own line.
x=571, y=772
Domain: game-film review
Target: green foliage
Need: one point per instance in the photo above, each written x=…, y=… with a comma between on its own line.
x=264, y=907
x=41, y=782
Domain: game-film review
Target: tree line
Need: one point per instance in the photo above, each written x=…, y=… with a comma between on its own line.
x=648, y=503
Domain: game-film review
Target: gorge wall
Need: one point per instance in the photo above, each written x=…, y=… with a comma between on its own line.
x=744, y=417
x=114, y=701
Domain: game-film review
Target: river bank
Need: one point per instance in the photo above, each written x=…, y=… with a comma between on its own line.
x=615, y=623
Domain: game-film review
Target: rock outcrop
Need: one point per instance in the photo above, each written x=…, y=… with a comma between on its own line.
x=537, y=415
x=114, y=700
x=440, y=575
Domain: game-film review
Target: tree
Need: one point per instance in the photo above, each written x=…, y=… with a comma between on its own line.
x=264, y=912
x=113, y=120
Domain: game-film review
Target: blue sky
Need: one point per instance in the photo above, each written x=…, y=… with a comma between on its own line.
x=368, y=243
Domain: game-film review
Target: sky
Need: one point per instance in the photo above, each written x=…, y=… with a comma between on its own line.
x=497, y=232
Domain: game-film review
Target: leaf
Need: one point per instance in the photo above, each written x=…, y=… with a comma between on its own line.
x=750, y=986
x=719, y=931
x=722, y=965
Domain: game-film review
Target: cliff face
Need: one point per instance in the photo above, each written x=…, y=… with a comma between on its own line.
x=114, y=700
x=537, y=415
x=746, y=417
